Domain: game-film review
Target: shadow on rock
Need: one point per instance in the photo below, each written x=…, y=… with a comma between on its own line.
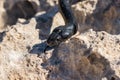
x=44, y=22
x=40, y=49
x=2, y=34
x=45, y=5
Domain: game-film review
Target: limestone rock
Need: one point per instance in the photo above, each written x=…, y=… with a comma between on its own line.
x=91, y=54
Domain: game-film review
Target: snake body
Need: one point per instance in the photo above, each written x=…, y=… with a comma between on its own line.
x=63, y=33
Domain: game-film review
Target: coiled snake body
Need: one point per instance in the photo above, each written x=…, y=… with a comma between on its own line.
x=62, y=33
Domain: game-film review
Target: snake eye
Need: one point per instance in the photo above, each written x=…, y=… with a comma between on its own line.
x=59, y=30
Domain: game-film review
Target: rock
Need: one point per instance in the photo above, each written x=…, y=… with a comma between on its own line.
x=99, y=15
x=15, y=60
x=92, y=54
x=86, y=57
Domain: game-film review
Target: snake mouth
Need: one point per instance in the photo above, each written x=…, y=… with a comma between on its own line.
x=52, y=43
x=55, y=38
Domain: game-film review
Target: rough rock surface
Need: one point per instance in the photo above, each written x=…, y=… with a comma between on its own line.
x=92, y=54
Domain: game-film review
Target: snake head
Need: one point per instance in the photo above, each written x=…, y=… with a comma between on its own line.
x=55, y=37
x=60, y=34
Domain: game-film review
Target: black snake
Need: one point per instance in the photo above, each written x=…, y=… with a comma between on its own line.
x=63, y=33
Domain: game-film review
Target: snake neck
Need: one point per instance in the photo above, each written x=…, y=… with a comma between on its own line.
x=66, y=11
